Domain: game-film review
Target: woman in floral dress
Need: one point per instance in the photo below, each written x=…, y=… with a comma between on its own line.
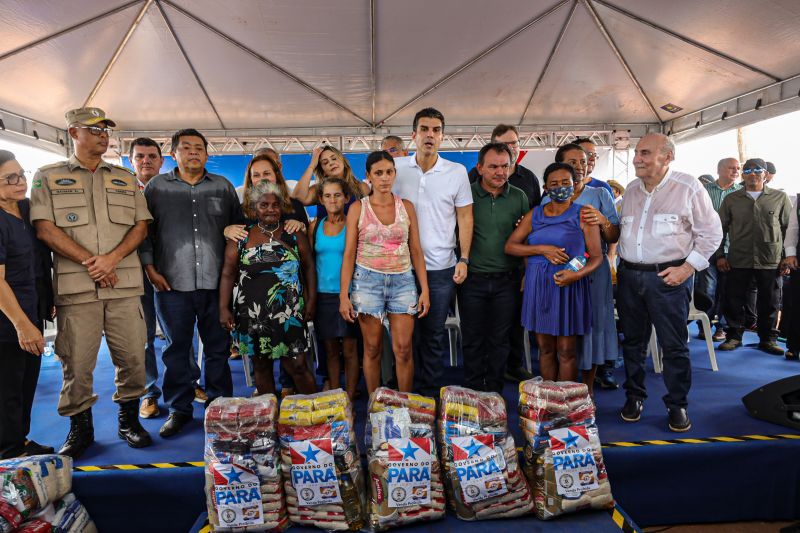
x=276, y=277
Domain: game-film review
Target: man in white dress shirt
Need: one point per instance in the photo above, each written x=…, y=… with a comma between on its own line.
x=669, y=230
x=442, y=197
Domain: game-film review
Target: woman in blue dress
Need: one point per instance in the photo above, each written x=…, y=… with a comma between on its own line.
x=556, y=302
x=597, y=209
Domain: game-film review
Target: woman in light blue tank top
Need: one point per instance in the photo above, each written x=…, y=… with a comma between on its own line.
x=328, y=240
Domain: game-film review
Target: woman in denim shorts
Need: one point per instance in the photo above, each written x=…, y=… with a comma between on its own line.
x=382, y=244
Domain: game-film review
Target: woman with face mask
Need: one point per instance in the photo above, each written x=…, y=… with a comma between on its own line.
x=598, y=349
x=556, y=299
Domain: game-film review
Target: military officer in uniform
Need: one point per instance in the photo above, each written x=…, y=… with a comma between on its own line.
x=92, y=216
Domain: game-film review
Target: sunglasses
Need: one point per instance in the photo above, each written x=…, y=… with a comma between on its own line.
x=756, y=170
x=96, y=130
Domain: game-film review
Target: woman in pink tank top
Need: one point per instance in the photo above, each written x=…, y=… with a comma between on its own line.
x=382, y=244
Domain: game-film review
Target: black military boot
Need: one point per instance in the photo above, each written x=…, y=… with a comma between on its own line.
x=130, y=430
x=81, y=434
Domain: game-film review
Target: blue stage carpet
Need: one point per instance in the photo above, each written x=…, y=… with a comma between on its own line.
x=655, y=484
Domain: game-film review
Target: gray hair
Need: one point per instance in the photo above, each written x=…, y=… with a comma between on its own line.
x=260, y=189
x=669, y=144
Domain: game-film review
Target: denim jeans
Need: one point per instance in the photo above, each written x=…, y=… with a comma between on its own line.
x=430, y=337
x=644, y=301
x=486, y=308
x=150, y=364
x=710, y=283
x=178, y=312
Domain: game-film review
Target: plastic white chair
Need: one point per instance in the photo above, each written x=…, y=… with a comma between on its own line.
x=694, y=314
x=453, y=326
x=526, y=343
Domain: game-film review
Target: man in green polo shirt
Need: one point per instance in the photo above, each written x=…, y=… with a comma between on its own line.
x=754, y=219
x=487, y=298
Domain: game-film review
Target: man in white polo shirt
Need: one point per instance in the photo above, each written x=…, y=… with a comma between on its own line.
x=441, y=194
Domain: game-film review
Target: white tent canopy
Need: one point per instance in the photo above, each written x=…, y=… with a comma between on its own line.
x=361, y=68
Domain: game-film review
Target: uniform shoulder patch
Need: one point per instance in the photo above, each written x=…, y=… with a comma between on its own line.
x=53, y=166
x=126, y=169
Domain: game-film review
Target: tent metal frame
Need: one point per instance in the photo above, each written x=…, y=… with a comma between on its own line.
x=777, y=92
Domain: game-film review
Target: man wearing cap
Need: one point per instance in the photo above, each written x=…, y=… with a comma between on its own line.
x=93, y=216
x=669, y=230
x=770, y=166
x=755, y=220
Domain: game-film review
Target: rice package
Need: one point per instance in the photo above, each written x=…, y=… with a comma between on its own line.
x=405, y=478
x=66, y=515
x=323, y=479
x=479, y=459
x=50, y=475
x=563, y=457
x=242, y=465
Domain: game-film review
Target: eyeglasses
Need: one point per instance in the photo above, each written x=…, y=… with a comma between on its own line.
x=591, y=156
x=512, y=144
x=96, y=130
x=756, y=170
x=393, y=150
x=13, y=179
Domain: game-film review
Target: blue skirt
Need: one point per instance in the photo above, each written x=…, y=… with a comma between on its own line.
x=601, y=343
x=553, y=310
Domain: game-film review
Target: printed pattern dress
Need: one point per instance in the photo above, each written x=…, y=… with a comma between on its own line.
x=269, y=305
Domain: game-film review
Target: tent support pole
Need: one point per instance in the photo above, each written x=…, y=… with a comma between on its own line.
x=546, y=67
x=620, y=57
x=264, y=60
x=189, y=62
x=687, y=40
x=475, y=59
x=117, y=53
x=59, y=33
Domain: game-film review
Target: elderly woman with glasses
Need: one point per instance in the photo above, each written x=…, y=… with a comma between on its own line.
x=25, y=302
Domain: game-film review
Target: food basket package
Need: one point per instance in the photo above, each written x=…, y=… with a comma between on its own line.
x=563, y=457
x=322, y=473
x=405, y=479
x=242, y=465
x=481, y=473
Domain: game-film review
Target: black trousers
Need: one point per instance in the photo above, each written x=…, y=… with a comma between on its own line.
x=19, y=373
x=486, y=307
x=790, y=321
x=738, y=283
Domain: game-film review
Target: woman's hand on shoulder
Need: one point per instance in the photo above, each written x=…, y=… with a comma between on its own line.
x=293, y=226
x=235, y=232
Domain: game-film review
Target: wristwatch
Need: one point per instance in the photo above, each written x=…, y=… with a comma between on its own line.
x=464, y=260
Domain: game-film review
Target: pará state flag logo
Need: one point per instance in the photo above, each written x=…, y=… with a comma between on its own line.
x=476, y=446
x=569, y=439
x=228, y=474
x=413, y=449
x=312, y=452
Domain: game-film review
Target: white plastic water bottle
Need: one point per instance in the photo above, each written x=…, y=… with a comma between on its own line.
x=577, y=263
x=49, y=350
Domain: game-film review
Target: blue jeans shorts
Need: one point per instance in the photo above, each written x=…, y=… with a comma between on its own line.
x=377, y=294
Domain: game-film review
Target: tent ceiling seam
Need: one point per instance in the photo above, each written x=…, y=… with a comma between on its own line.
x=372, y=55
x=189, y=62
x=614, y=48
x=549, y=61
x=464, y=66
x=688, y=40
x=265, y=61
x=68, y=30
x=117, y=52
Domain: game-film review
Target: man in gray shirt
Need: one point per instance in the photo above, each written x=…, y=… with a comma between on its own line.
x=183, y=259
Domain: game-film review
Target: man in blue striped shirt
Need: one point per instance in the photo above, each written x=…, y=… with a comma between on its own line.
x=710, y=282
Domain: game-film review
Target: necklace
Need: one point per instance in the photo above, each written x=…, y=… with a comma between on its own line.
x=264, y=229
